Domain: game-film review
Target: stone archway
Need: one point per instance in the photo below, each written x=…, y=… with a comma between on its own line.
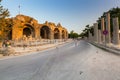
x=29, y=31
x=56, y=33
x=45, y=32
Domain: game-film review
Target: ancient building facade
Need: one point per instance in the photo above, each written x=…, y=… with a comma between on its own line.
x=25, y=26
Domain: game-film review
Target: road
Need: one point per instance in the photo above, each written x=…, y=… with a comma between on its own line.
x=67, y=62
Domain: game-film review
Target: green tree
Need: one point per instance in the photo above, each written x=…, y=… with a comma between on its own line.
x=73, y=34
x=86, y=31
x=4, y=23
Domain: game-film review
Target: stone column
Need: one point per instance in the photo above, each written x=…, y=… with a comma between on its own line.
x=37, y=33
x=115, y=31
x=102, y=29
x=66, y=35
x=60, y=34
x=99, y=36
x=108, y=36
x=85, y=38
x=17, y=33
x=95, y=32
x=90, y=36
x=51, y=34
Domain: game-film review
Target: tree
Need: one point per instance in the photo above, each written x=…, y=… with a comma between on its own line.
x=4, y=13
x=86, y=31
x=73, y=34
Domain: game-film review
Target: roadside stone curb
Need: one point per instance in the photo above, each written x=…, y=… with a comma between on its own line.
x=109, y=49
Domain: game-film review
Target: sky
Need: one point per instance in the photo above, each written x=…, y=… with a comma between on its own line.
x=72, y=14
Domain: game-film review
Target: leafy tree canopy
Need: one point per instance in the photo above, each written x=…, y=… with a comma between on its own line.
x=73, y=34
x=4, y=13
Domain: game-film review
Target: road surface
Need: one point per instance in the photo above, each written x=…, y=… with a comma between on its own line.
x=67, y=62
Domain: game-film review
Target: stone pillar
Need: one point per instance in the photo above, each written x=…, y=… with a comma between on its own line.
x=90, y=36
x=51, y=34
x=95, y=32
x=66, y=35
x=108, y=36
x=99, y=36
x=85, y=38
x=17, y=33
x=102, y=29
x=60, y=34
x=37, y=33
x=115, y=31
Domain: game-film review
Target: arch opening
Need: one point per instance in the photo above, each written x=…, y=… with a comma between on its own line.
x=45, y=32
x=9, y=36
x=29, y=31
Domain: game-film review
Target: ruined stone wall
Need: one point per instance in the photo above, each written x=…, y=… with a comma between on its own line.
x=27, y=26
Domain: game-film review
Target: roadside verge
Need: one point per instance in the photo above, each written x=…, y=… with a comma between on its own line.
x=20, y=51
x=106, y=48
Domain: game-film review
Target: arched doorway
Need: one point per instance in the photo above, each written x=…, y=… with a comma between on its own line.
x=63, y=34
x=10, y=35
x=45, y=32
x=29, y=31
x=56, y=33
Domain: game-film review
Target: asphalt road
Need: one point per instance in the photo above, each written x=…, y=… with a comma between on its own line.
x=67, y=62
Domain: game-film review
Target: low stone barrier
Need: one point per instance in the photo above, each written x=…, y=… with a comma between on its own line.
x=107, y=48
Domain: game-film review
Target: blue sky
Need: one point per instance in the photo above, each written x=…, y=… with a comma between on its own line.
x=72, y=14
